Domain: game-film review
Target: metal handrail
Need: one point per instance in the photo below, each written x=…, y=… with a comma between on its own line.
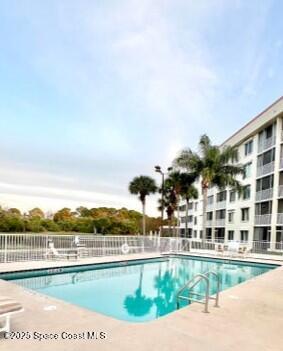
x=216, y=298
x=206, y=296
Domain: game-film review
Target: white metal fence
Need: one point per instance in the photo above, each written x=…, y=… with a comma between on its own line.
x=32, y=247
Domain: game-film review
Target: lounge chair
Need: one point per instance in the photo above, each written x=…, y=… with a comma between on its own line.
x=8, y=307
x=233, y=248
x=61, y=253
x=244, y=250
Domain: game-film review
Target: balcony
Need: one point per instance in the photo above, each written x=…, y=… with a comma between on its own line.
x=265, y=194
x=281, y=163
x=263, y=219
x=266, y=143
x=220, y=222
x=220, y=204
x=265, y=169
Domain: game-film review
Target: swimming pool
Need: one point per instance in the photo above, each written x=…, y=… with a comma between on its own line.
x=135, y=291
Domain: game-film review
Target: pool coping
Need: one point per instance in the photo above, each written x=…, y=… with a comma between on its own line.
x=182, y=326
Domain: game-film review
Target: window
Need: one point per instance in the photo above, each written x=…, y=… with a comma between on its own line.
x=195, y=233
x=245, y=214
x=264, y=183
x=220, y=214
x=183, y=219
x=248, y=147
x=196, y=206
x=231, y=216
x=230, y=234
x=244, y=235
x=190, y=206
x=190, y=219
x=269, y=131
x=247, y=192
x=200, y=234
x=265, y=158
x=232, y=196
x=263, y=208
x=221, y=196
x=195, y=220
x=247, y=170
x=209, y=216
x=210, y=200
x=182, y=208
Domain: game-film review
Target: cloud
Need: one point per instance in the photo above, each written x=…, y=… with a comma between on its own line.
x=95, y=93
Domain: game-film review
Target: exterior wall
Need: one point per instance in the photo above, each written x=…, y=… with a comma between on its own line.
x=264, y=224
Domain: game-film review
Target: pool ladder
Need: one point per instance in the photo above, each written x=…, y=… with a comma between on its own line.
x=192, y=295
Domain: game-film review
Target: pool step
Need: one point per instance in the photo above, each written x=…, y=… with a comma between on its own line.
x=204, y=297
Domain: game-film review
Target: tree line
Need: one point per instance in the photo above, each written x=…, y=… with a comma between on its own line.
x=101, y=220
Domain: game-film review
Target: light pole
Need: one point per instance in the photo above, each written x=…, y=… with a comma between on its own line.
x=158, y=169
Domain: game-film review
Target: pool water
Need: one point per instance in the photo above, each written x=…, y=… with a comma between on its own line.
x=137, y=291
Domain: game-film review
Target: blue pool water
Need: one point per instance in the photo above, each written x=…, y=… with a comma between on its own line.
x=136, y=292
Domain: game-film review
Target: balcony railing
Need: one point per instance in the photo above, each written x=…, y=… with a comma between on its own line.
x=220, y=222
x=264, y=194
x=281, y=163
x=221, y=204
x=265, y=169
x=279, y=218
x=263, y=219
x=266, y=143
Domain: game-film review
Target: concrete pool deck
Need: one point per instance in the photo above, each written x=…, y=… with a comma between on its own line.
x=250, y=318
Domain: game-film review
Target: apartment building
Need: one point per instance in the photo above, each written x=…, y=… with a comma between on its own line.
x=256, y=215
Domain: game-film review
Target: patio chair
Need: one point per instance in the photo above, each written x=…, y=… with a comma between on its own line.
x=244, y=250
x=61, y=253
x=8, y=307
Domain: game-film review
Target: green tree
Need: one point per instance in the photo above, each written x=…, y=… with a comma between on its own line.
x=174, y=183
x=169, y=203
x=143, y=186
x=83, y=211
x=214, y=165
x=14, y=211
x=36, y=212
x=63, y=214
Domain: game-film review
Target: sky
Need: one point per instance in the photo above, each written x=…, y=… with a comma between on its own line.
x=93, y=93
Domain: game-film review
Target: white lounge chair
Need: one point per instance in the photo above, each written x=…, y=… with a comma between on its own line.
x=8, y=307
x=233, y=248
x=61, y=253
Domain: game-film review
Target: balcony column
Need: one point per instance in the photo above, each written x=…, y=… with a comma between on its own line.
x=276, y=182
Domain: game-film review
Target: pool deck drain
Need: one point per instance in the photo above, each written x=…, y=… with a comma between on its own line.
x=250, y=318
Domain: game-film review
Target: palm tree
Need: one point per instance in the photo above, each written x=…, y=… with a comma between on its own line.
x=174, y=181
x=188, y=192
x=143, y=186
x=214, y=165
x=167, y=203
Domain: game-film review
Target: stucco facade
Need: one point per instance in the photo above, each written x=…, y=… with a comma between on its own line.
x=258, y=213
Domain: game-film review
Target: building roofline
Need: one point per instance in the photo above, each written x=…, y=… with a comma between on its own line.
x=252, y=120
